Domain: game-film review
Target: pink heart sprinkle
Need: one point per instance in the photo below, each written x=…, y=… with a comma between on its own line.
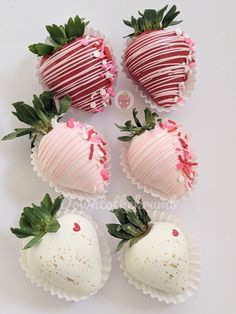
x=188, y=41
x=110, y=91
x=175, y=232
x=180, y=166
x=76, y=227
x=191, y=64
x=84, y=42
x=70, y=123
x=105, y=174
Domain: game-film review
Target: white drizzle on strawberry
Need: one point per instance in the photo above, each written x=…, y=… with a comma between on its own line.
x=83, y=69
x=161, y=61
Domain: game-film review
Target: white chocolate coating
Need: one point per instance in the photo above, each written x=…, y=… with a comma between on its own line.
x=160, y=259
x=68, y=259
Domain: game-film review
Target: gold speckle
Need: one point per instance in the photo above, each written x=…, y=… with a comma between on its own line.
x=69, y=279
x=173, y=265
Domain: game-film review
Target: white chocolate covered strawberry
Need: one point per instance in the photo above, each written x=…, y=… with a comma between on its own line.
x=158, y=59
x=71, y=156
x=65, y=254
x=77, y=65
x=156, y=255
x=159, y=158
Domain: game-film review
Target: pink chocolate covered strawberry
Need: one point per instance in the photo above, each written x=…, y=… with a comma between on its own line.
x=158, y=59
x=77, y=65
x=159, y=158
x=70, y=155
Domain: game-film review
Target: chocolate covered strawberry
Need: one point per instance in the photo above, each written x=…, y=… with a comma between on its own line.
x=159, y=158
x=65, y=253
x=157, y=255
x=70, y=155
x=78, y=65
x=160, y=60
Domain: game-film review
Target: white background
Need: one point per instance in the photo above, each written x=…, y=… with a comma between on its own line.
x=209, y=116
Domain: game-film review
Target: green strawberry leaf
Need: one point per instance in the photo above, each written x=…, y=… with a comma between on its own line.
x=56, y=205
x=56, y=34
x=47, y=202
x=21, y=233
x=128, y=23
x=64, y=105
x=153, y=20
x=18, y=132
x=38, y=220
x=34, y=241
x=121, y=215
x=52, y=226
x=41, y=49
x=113, y=229
x=120, y=245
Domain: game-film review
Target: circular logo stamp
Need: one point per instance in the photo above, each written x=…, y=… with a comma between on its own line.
x=124, y=99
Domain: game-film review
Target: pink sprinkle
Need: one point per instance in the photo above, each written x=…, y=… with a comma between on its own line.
x=171, y=122
x=110, y=91
x=180, y=166
x=102, y=75
x=188, y=40
x=76, y=227
x=175, y=232
x=102, y=149
x=99, y=110
x=104, y=66
x=186, y=155
x=101, y=55
x=84, y=42
x=105, y=174
x=90, y=133
x=108, y=53
x=91, y=151
x=183, y=143
x=70, y=123
x=191, y=64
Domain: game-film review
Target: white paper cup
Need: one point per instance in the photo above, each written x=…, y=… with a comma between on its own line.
x=195, y=269
x=58, y=291
x=186, y=92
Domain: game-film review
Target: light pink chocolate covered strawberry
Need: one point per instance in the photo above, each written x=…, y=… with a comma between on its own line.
x=159, y=158
x=71, y=156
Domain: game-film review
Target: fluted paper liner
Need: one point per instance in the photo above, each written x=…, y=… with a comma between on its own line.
x=70, y=193
x=58, y=291
x=194, y=260
x=186, y=93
